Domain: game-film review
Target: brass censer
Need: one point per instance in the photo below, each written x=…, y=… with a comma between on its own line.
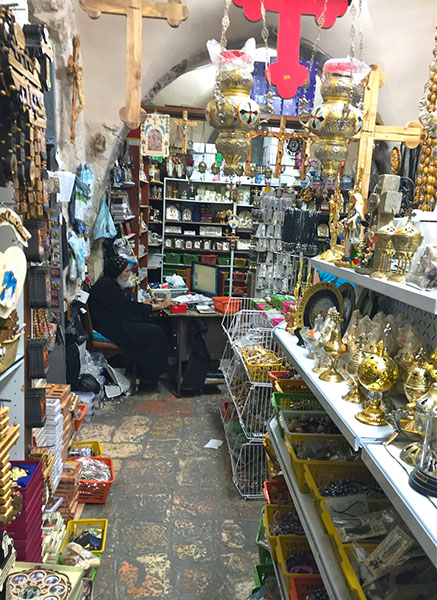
x=384, y=250
x=405, y=241
x=377, y=373
x=333, y=348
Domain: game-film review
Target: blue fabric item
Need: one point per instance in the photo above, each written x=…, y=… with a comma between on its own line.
x=98, y=337
x=331, y=278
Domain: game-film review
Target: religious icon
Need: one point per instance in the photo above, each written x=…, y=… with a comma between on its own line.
x=155, y=135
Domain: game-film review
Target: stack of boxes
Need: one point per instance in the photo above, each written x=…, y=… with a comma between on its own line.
x=68, y=489
x=53, y=530
x=54, y=433
x=26, y=529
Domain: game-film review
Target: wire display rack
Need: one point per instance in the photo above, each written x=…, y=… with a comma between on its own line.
x=241, y=315
x=248, y=461
x=252, y=401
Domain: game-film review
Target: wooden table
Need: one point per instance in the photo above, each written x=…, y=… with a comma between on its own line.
x=215, y=339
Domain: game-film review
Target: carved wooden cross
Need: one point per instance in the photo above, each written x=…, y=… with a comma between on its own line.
x=280, y=135
x=135, y=10
x=77, y=72
x=411, y=134
x=185, y=124
x=287, y=73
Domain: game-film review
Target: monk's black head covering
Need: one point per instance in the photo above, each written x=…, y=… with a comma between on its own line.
x=115, y=265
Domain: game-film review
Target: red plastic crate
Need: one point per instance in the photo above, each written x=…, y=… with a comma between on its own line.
x=208, y=259
x=271, y=486
x=78, y=421
x=226, y=304
x=238, y=276
x=302, y=586
x=95, y=492
x=228, y=410
x=239, y=289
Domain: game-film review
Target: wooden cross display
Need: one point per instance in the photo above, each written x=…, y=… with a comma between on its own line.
x=135, y=10
x=185, y=124
x=77, y=72
x=280, y=135
x=412, y=134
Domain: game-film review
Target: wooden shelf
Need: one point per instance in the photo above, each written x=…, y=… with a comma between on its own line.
x=196, y=223
x=212, y=237
x=199, y=201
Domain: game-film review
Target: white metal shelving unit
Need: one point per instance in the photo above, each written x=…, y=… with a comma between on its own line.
x=316, y=534
x=401, y=292
x=330, y=395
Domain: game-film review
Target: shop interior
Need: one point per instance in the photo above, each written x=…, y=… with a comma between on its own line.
x=218, y=300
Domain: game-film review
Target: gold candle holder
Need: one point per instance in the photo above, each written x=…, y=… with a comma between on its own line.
x=333, y=349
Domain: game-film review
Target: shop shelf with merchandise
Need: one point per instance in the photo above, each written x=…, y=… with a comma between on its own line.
x=402, y=292
x=317, y=536
x=330, y=394
x=419, y=512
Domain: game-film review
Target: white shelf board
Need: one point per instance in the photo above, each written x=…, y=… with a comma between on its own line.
x=198, y=201
x=318, y=539
x=403, y=292
x=330, y=394
x=14, y=366
x=418, y=512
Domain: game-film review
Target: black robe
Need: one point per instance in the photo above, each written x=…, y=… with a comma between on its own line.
x=129, y=325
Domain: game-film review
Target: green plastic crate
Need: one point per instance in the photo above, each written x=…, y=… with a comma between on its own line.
x=261, y=573
x=261, y=541
x=172, y=257
x=169, y=271
x=304, y=402
x=223, y=261
x=188, y=259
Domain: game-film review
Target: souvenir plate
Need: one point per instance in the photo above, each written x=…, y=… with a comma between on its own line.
x=318, y=299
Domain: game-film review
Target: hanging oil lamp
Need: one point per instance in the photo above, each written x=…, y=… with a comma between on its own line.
x=231, y=110
x=337, y=119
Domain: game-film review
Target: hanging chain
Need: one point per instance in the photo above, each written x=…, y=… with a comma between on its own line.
x=303, y=102
x=353, y=11
x=268, y=106
x=217, y=93
x=225, y=24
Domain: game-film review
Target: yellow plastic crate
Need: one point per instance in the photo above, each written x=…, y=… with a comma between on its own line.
x=75, y=527
x=268, y=518
x=287, y=546
x=260, y=373
x=317, y=476
x=291, y=386
x=349, y=566
x=293, y=441
x=96, y=447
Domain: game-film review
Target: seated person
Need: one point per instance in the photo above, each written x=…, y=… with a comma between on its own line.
x=128, y=323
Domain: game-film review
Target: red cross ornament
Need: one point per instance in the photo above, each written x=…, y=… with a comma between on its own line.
x=287, y=73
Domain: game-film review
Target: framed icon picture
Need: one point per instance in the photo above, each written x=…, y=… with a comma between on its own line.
x=155, y=135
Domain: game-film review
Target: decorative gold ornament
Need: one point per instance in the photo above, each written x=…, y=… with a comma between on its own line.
x=384, y=250
x=335, y=227
x=202, y=166
x=354, y=394
x=232, y=111
x=215, y=168
x=396, y=160
x=418, y=381
x=333, y=348
x=318, y=299
x=405, y=241
x=268, y=173
x=377, y=373
x=239, y=171
x=336, y=120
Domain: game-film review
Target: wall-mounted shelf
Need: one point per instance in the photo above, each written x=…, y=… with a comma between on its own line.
x=200, y=201
x=402, y=292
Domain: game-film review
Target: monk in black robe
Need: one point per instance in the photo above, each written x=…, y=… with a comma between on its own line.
x=128, y=323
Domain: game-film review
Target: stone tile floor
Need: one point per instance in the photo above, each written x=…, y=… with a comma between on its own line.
x=177, y=525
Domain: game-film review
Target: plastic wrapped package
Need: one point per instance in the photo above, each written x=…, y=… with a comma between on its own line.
x=423, y=271
x=94, y=470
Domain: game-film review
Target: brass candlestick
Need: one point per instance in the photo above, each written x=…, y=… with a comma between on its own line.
x=354, y=394
x=333, y=349
x=377, y=373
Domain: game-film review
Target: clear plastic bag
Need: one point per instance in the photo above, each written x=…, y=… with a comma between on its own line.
x=372, y=525
x=423, y=272
x=94, y=470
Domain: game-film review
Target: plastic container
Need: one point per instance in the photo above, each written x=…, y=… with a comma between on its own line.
x=96, y=447
x=260, y=372
x=240, y=262
x=268, y=519
x=96, y=492
x=319, y=475
x=350, y=568
x=172, y=257
x=73, y=526
x=188, y=259
x=239, y=290
x=225, y=304
x=302, y=587
x=78, y=421
x=294, y=401
x=273, y=487
x=289, y=386
x=223, y=261
x=208, y=259
x=238, y=276
x=288, y=545
x=294, y=441
x=265, y=557
x=261, y=573
x=87, y=399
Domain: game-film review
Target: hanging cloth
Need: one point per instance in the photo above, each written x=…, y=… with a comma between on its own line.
x=104, y=226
